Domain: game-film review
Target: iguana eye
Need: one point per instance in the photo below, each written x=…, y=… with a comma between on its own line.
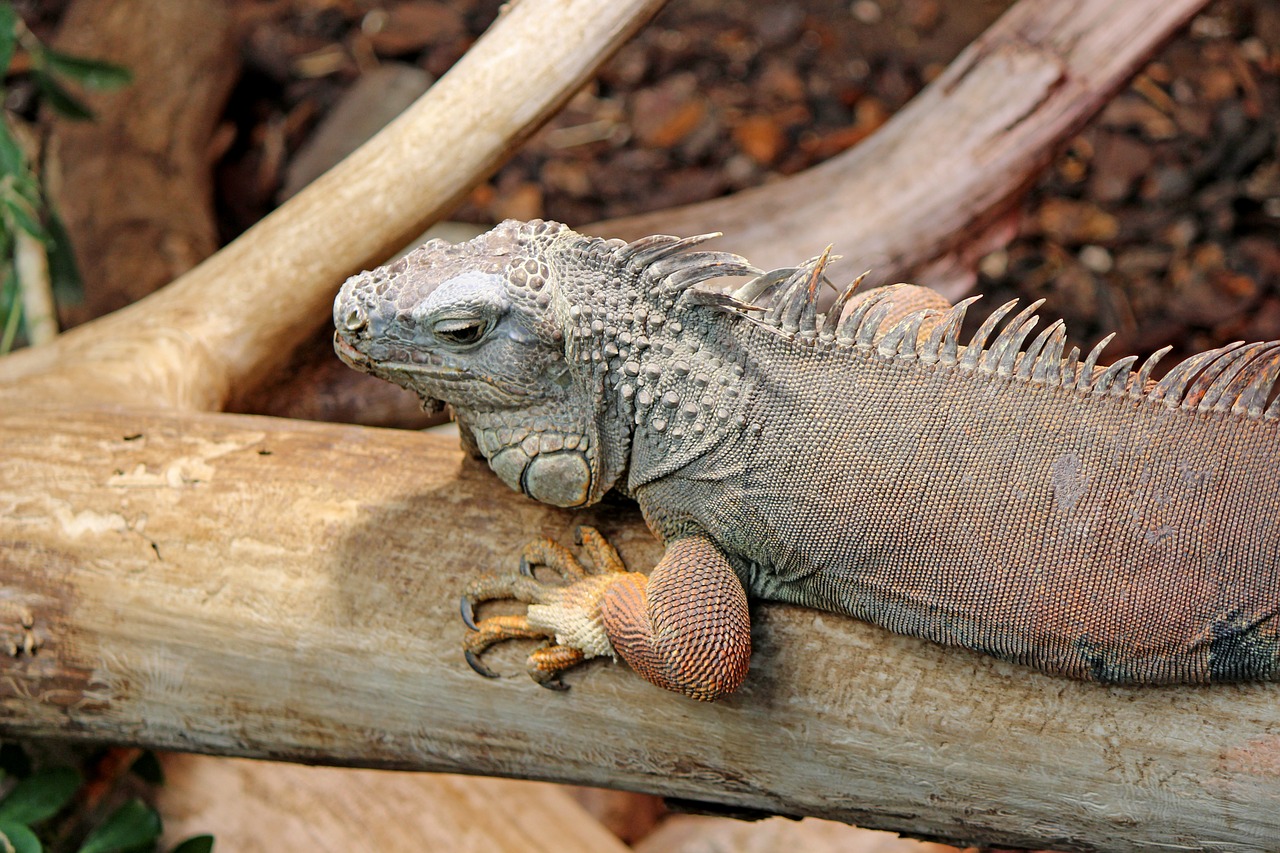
x=461, y=332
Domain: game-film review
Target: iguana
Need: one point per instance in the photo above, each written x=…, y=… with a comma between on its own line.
x=998, y=495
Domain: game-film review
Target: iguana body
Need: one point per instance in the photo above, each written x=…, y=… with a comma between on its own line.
x=999, y=496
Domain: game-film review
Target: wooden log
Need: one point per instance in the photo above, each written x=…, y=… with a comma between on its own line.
x=257, y=587
x=256, y=807
x=915, y=200
x=234, y=320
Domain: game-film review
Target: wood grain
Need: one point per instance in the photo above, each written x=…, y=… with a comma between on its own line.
x=257, y=587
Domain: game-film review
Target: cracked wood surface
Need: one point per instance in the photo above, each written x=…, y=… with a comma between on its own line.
x=258, y=587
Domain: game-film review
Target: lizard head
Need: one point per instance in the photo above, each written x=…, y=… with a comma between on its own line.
x=473, y=325
x=532, y=334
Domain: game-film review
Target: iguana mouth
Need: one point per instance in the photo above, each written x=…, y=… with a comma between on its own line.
x=411, y=374
x=349, y=355
x=400, y=362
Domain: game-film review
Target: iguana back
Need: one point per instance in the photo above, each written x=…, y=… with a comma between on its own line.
x=1106, y=531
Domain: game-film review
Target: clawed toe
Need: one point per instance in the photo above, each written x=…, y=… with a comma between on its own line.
x=567, y=611
x=553, y=555
x=474, y=661
x=495, y=629
x=604, y=557
x=467, y=608
x=547, y=662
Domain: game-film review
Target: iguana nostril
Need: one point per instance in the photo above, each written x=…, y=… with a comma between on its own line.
x=355, y=319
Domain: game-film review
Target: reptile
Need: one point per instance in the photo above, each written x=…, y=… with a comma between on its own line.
x=1000, y=494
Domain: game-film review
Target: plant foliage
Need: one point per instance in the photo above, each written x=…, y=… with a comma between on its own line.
x=24, y=207
x=34, y=799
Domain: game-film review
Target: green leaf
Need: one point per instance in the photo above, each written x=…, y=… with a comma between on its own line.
x=131, y=826
x=41, y=796
x=10, y=312
x=19, y=838
x=196, y=844
x=147, y=768
x=90, y=73
x=8, y=35
x=61, y=101
x=20, y=212
x=64, y=272
x=12, y=160
x=25, y=187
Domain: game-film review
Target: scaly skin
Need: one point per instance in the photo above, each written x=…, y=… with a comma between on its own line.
x=1001, y=497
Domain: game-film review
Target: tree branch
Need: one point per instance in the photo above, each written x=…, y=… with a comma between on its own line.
x=926, y=186
x=234, y=319
x=258, y=587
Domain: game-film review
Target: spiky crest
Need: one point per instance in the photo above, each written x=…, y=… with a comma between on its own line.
x=665, y=263
x=1237, y=378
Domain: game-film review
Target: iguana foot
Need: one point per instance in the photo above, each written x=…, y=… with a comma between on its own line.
x=567, y=615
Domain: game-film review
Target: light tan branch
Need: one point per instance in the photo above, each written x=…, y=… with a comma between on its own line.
x=258, y=587
x=236, y=317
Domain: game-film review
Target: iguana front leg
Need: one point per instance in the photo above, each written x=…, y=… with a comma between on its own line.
x=685, y=627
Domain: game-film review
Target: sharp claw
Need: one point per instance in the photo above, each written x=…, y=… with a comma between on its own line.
x=474, y=661
x=469, y=618
x=577, y=535
x=554, y=684
x=525, y=568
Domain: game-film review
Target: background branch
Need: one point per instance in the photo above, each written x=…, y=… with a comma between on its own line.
x=918, y=199
x=234, y=319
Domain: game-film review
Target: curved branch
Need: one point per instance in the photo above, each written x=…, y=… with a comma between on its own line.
x=942, y=171
x=235, y=318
